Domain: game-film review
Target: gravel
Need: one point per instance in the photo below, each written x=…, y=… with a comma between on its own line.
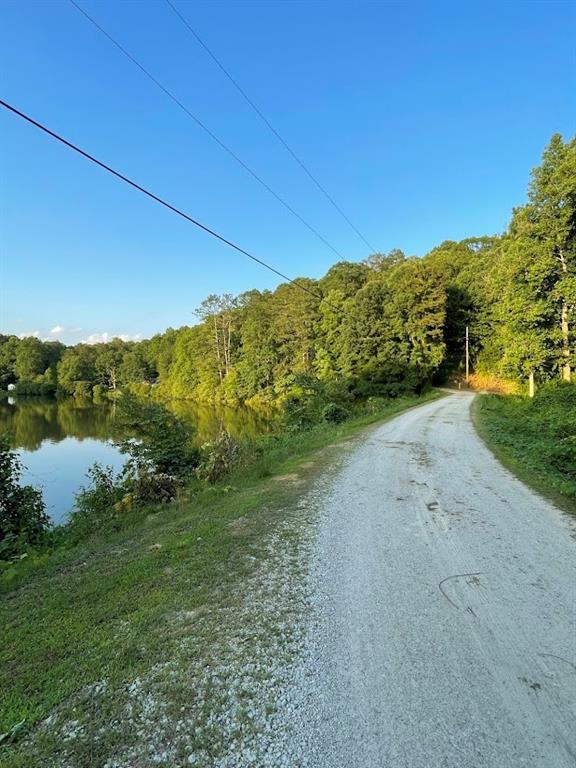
x=442, y=612
x=417, y=610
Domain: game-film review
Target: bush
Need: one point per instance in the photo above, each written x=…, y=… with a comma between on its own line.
x=35, y=389
x=563, y=456
x=155, y=489
x=83, y=390
x=334, y=413
x=299, y=412
x=94, y=506
x=163, y=440
x=375, y=405
x=23, y=519
x=338, y=391
x=99, y=393
x=540, y=433
x=148, y=487
x=392, y=389
x=219, y=458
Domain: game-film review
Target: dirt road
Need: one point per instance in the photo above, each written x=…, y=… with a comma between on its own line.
x=443, y=629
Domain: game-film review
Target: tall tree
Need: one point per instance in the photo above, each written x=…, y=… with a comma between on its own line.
x=536, y=274
x=31, y=360
x=219, y=313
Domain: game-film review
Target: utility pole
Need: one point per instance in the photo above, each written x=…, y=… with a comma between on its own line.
x=467, y=356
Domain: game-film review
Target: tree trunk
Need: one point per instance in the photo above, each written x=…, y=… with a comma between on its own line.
x=229, y=347
x=217, y=339
x=565, y=326
x=566, y=367
x=531, y=386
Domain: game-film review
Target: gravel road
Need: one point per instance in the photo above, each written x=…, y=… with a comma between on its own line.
x=443, y=611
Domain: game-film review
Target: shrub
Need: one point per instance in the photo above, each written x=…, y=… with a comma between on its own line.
x=219, y=458
x=138, y=388
x=374, y=405
x=299, y=412
x=35, y=388
x=23, y=519
x=148, y=487
x=563, y=456
x=490, y=383
x=163, y=441
x=334, y=413
x=338, y=391
x=94, y=506
x=391, y=389
x=99, y=392
x=155, y=489
x=83, y=390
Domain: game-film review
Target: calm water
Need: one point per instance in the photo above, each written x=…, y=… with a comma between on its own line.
x=59, y=440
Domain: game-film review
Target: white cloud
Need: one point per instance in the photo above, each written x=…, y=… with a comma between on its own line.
x=34, y=334
x=104, y=338
x=56, y=329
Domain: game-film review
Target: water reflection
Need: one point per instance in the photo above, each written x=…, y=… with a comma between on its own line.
x=60, y=439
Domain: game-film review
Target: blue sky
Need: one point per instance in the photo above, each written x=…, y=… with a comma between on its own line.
x=421, y=119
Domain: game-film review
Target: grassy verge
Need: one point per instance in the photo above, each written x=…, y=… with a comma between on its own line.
x=125, y=649
x=534, y=439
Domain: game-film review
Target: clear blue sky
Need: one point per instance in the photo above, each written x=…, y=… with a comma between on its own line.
x=422, y=120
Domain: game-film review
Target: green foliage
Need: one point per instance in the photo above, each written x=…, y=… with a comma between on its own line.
x=146, y=487
x=374, y=405
x=391, y=321
x=163, y=441
x=109, y=497
x=82, y=390
x=334, y=413
x=98, y=393
x=220, y=457
x=538, y=435
x=95, y=506
x=23, y=519
x=34, y=388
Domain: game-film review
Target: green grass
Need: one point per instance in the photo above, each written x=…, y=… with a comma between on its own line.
x=107, y=609
x=535, y=439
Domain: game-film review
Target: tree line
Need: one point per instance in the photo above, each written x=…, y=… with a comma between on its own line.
x=391, y=322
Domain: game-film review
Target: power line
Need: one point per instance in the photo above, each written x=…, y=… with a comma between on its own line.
x=265, y=120
x=207, y=130
x=170, y=207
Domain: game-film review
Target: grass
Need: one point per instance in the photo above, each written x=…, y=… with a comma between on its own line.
x=119, y=637
x=535, y=439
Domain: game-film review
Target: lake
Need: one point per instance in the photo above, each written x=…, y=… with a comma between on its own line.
x=58, y=440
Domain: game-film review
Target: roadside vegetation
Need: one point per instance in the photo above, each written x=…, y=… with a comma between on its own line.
x=133, y=602
x=535, y=438
x=159, y=562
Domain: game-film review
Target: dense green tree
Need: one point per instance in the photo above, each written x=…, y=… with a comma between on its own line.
x=347, y=277
x=534, y=280
x=31, y=360
x=382, y=262
x=258, y=346
x=77, y=364
x=23, y=518
x=108, y=362
x=390, y=321
x=294, y=328
x=464, y=270
x=8, y=350
x=134, y=366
